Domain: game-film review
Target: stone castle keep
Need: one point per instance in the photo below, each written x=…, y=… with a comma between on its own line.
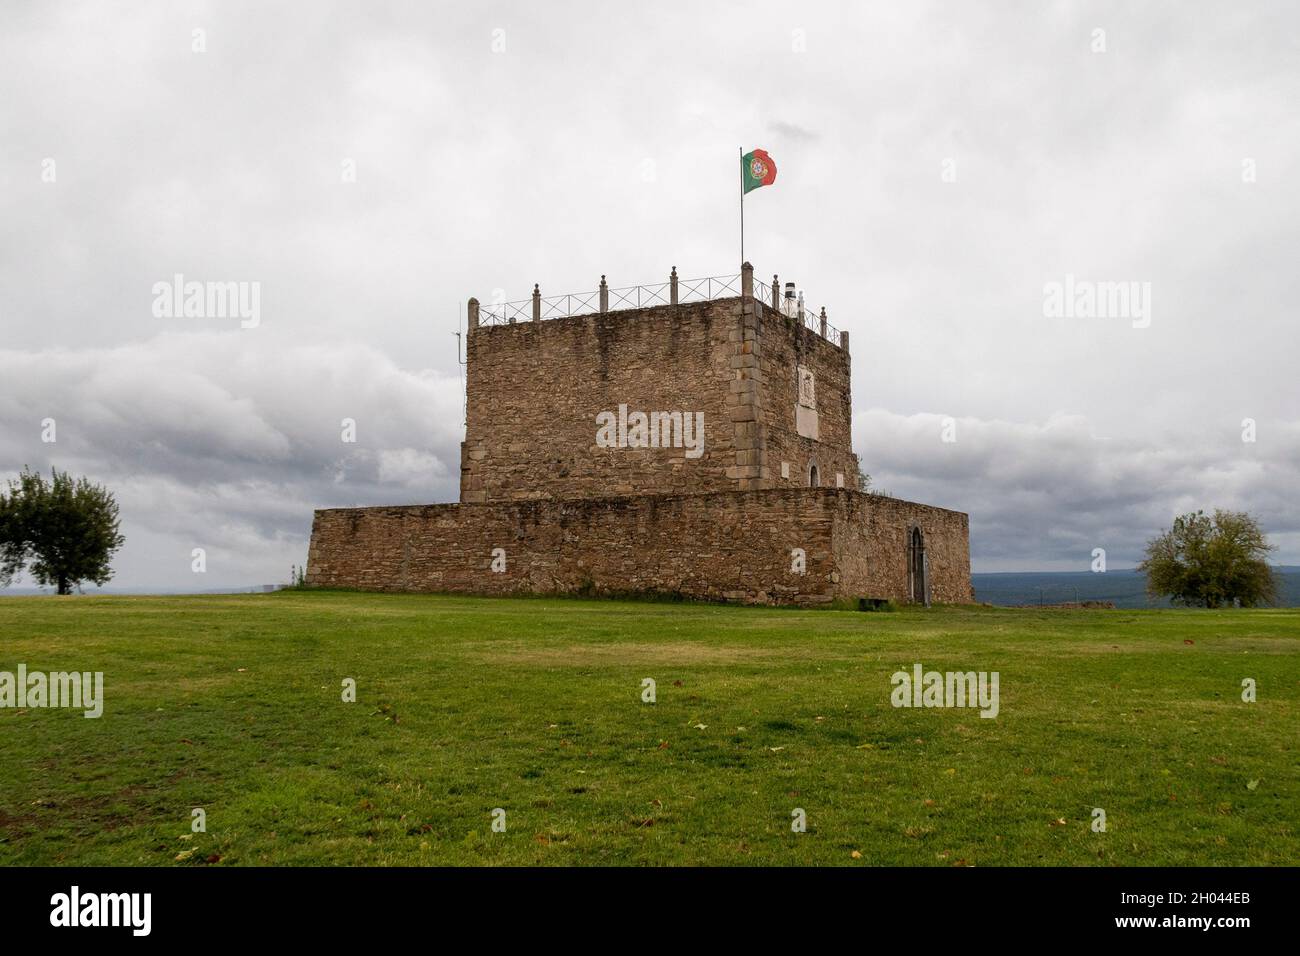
x=693, y=439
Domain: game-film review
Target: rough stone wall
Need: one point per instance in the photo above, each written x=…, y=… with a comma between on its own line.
x=730, y=546
x=534, y=390
x=787, y=345
x=727, y=546
x=871, y=548
x=545, y=509
x=744, y=399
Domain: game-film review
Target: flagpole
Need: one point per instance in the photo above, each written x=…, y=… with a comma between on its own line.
x=741, y=150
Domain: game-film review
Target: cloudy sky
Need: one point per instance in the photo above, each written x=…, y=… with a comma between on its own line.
x=372, y=165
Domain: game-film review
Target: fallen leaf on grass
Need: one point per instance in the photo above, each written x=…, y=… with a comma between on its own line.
x=1252, y=784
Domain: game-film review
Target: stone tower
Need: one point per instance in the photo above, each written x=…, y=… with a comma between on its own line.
x=769, y=382
x=690, y=438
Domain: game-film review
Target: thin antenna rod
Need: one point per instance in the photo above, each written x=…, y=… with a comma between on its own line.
x=464, y=390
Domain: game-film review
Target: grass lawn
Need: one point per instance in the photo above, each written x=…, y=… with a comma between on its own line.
x=233, y=704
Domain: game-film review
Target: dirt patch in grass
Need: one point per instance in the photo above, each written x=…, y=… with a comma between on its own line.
x=101, y=810
x=676, y=652
x=1163, y=644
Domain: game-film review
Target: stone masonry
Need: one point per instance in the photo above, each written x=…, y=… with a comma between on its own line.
x=761, y=507
x=719, y=546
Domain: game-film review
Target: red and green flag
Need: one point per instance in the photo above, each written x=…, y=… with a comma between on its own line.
x=757, y=169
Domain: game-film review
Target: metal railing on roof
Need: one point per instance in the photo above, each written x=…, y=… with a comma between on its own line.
x=675, y=291
x=605, y=299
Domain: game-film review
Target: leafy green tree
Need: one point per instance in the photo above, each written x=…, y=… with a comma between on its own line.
x=64, y=530
x=1211, y=562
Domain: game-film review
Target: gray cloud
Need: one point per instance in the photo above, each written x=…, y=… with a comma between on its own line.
x=1058, y=489
x=591, y=145
x=792, y=132
x=227, y=441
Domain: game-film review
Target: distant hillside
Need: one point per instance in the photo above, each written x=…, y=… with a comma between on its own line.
x=1124, y=588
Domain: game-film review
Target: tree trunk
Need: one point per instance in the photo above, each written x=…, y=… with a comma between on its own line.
x=63, y=584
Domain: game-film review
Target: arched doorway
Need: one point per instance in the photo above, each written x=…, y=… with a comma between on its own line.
x=917, y=569
x=814, y=477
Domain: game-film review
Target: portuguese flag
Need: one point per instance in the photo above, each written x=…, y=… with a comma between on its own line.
x=757, y=169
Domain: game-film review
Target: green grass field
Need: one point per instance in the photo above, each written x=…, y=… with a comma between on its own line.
x=233, y=704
